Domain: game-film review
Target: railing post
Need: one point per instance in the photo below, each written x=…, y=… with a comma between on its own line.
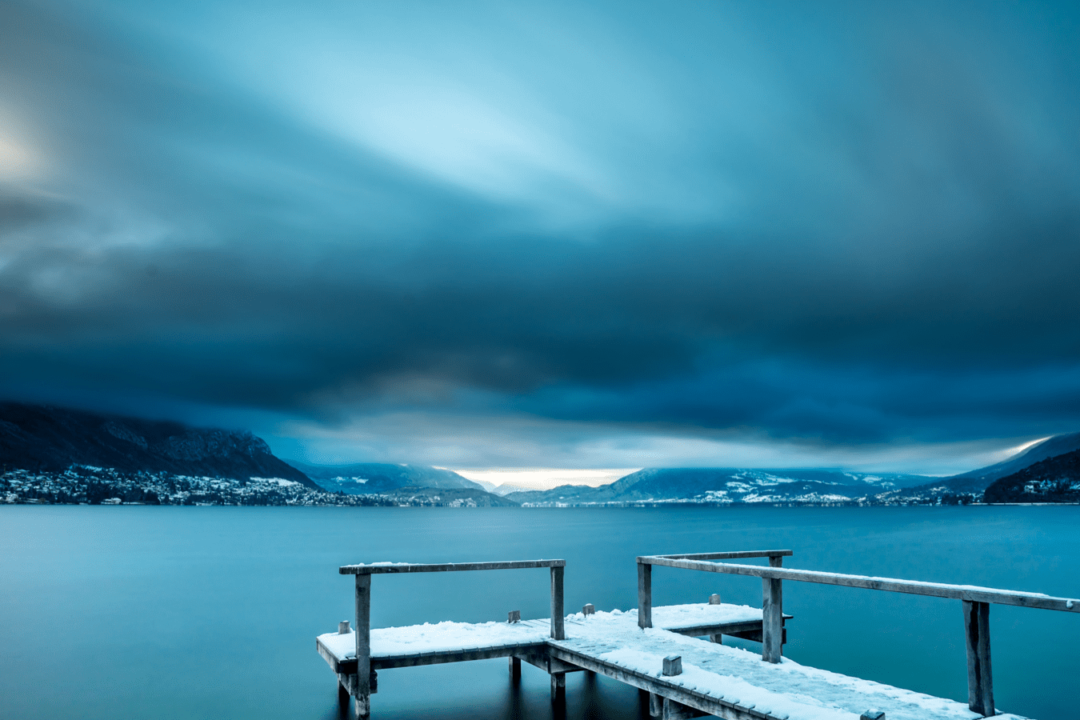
x=772, y=617
x=558, y=632
x=644, y=595
x=980, y=680
x=362, y=692
x=776, y=561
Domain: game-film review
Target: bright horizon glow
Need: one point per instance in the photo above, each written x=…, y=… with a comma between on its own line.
x=543, y=478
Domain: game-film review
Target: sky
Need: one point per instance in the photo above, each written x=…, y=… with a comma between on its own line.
x=492, y=235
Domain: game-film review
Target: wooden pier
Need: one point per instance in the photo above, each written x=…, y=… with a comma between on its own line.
x=659, y=650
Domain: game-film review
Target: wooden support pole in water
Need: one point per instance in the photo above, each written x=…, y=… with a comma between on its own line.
x=362, y=692
x=558, y=632
x=644, y=595
x=656, y=705
x=980, y=680
x=558, y=686
x=515, y=668
x=772, y=620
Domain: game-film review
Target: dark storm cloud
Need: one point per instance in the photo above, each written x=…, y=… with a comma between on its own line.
x=844, y=227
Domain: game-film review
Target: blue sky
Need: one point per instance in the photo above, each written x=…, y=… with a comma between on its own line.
x=550, y=234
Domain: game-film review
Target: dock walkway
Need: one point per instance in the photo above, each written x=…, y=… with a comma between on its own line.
x=659, y=650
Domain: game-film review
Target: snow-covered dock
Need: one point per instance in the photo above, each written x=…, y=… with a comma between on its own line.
x=661, y=651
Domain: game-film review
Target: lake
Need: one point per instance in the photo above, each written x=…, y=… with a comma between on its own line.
x=175, y=612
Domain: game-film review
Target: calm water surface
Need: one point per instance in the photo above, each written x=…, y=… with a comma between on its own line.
x=132, y=612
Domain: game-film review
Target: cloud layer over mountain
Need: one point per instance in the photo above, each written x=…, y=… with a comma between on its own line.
x=546, y=234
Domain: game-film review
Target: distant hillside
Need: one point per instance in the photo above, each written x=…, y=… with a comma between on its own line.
x=724, y=486
x=366, y=478
x=447, y=497
x=41, y=438
x=975, y=482
x=1056, y=479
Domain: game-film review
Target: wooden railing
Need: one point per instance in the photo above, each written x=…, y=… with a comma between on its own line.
x=363, y=573
x=976, y=605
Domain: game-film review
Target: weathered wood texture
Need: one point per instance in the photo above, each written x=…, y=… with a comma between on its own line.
x=362, y=569
x=672, y=666
x=451, y=656
x=343, y=627
x=677, y=711
x=515, y=668
x=588, y=609
x=980, y=680
x=362, y=691
x=558, y=686
x=558, y=631
x=772, y=619
x=514, y=616
x=955, y=592
x=656, y=705
x=714, y=599
x=644, y=595
x=733, y=555
x=659, y=686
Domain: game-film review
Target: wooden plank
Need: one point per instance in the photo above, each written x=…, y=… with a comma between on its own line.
x=699, y=701
x=558, y=615
x=548, y=664
x=389, y=662
x=736, y=555
x=362, y=569
x=362, y=691
x=772, y=617
x=644, y=595
x=980, y=680
x=955, y=592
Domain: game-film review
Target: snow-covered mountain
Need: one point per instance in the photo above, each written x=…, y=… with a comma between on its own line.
x=722, y=486
x=367, y=478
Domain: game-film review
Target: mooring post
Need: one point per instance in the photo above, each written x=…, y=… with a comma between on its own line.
x=644, y=595
x=558, y=632
x=772, y=617
x=980, y=680
x=362, y=691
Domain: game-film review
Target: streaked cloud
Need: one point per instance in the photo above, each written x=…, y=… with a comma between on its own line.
x=548, y=235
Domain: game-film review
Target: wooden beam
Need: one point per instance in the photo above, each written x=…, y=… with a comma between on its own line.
x=736, y=555
x=772, y=619
x=558, y=616
x=376, y=569
x=710, y=705
x=980, y=679
x=450, y=656
x=515, y=669
x=362, y=691
x=644, y=595
x=678, y=711
x=911, y=587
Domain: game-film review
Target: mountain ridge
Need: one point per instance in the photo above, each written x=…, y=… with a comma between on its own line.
x=48, y=438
